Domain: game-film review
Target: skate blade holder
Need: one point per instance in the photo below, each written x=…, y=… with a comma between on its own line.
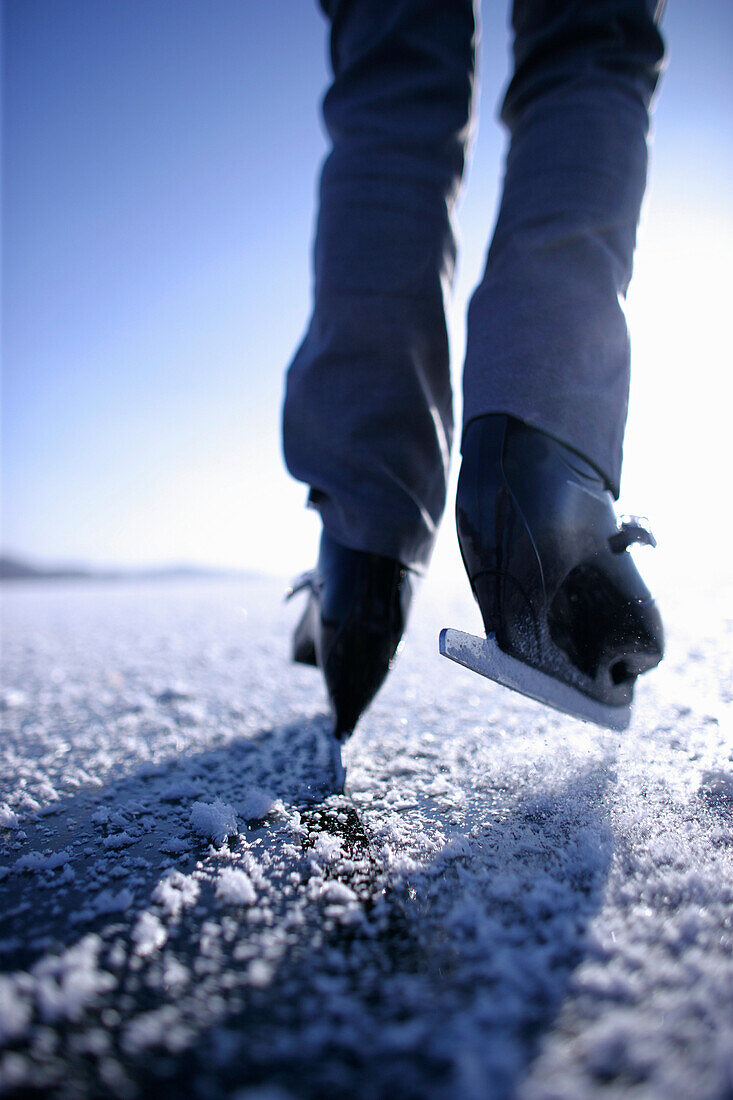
x=483, y=655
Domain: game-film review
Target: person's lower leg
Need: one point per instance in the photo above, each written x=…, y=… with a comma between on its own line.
x=367, y=419
x=546, y=374
x=547, y=339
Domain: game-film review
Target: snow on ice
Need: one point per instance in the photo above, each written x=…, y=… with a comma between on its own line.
x=8, y=819
x=36, y=861
x=234, y=887
x=505, y=904
x=15, y=1010
x=148, y=934
x=176, y=892
x=256, y=804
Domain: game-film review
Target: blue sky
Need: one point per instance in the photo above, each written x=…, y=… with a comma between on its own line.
x=159, y=170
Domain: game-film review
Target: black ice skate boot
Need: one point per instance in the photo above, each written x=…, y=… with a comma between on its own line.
x=352, y=625
x=567, y=616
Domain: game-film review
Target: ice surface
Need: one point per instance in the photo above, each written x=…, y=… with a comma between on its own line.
x=506, y=903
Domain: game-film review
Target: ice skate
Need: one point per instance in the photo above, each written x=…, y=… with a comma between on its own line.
x=352, y=625
x=568, y=619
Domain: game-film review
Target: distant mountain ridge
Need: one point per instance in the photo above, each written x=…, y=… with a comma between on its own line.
x=17, y=569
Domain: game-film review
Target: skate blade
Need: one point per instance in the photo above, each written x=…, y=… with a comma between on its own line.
x=484, y=656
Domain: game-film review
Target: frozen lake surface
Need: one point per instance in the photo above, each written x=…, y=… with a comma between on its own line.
x=506, y=903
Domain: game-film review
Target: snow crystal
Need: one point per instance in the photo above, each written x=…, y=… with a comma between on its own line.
x=256, y=804
x=190, y=714
x=234, y=887
x=11, y=699
x=65, y=985
x=214, y=820
x=337, y=893
x=328, y=848
x=149, y=934
x=174, y=845
x=118, y=840
x=27, y=802
x=160, y=1028
x=174, y=973
x=15, y=1071
x=15, y=1012
x=48, y=793
x=176, y=892
x=249, y=864
x=36, y=861
x=8, y=819
x=107, y=901
x=259, y=973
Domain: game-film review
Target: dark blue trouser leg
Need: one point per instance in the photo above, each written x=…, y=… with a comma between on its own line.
x=368, y=419
x=547, y=338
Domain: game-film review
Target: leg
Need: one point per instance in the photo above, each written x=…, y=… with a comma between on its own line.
x=568, y=619
x=367, y=419
x=547, y=338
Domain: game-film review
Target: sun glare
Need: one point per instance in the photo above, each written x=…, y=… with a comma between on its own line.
x=677, y=450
